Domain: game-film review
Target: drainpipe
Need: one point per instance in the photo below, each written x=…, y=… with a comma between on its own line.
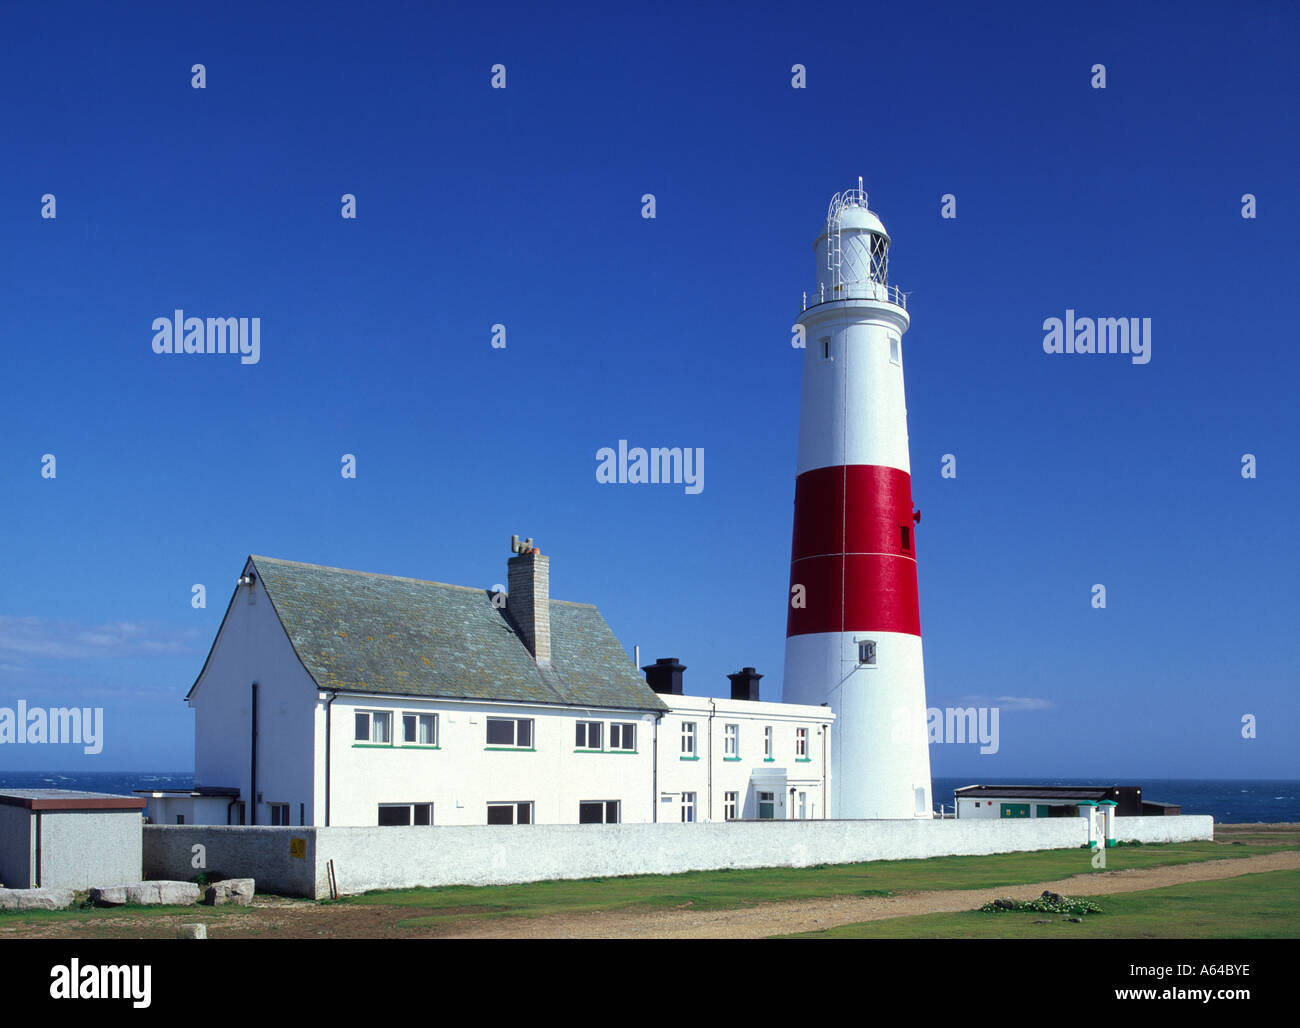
x=712, y=710
x=252, y=788
x=654, y=771
x=329, y=735
x=826, y=786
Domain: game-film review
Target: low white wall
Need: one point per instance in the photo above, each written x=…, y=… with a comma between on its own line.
x=390, y=858
x=261, y=853
x=1175, y=828
x=396, y=858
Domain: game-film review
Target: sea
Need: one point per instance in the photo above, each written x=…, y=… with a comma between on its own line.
x=1228, y=801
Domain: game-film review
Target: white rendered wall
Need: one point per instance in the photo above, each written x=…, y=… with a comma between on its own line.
x=394, y=858
x=677, y=775
x=162, y=810
x=1172, y=828
x=463, y=775
x=987, y=808
x=252, y=647
x=880, y=753
x=372, y=859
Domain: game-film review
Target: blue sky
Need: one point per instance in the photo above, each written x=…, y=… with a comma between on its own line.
x=523, y=206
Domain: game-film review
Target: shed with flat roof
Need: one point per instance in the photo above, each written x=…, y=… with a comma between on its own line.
x=65, y=839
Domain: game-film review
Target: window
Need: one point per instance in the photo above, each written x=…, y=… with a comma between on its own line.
x=588, y=735
x=688, y=738
x=374, y=727
x=767, y=805
x=905, y=531
x=688, y=807
x=893, y=351
x=406, y=813
x=731, y=805
x=236, y=815
x=767, y=743
x=514, y=733
x=279, y=813
x=180, y=819
x=622, y=737
x=510, y=814
x=801, y=743
x=420, y=729
x=731, y=741
x=866, y=651
x=826, y=348
x=598, y=812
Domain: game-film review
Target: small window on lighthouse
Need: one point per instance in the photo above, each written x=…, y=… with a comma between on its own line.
x=826, y=348
x=893, y=351
x=906, y=532
x=866, y=652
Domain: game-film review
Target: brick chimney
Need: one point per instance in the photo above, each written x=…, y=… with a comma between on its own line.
x=744, y=684
x=665, y=675
x=528, y=599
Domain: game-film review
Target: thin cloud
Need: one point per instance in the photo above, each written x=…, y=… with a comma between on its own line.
x=1006, y=702
x=44, y=637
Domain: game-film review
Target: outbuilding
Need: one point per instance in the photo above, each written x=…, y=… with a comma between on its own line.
x=64, y=839
x=1011, y=801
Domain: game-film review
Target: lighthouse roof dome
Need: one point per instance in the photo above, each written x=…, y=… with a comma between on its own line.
x=854, y=219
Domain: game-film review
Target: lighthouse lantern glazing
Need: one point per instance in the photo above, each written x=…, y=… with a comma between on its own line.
x=853, y=634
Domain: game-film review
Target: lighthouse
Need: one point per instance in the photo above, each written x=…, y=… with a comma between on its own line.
x=853, y=634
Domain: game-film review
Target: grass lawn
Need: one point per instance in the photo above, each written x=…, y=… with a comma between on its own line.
x=1254, y=906
x=715, y=890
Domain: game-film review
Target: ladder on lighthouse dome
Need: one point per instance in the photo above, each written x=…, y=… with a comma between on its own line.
x=834, y=232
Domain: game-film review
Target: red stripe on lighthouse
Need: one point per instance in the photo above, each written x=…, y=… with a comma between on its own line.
x=848, y=552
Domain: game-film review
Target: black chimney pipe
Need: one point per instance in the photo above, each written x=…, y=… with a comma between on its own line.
x=744, y=684
x=665, y=675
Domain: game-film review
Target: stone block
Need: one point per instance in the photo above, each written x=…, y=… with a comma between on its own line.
x=35, y=899
x=238, y=891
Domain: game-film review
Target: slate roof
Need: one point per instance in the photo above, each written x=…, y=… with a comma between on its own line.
x=380, y=634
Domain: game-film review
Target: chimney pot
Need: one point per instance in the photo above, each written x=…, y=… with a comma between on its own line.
x=744, y=684
x=665, y=675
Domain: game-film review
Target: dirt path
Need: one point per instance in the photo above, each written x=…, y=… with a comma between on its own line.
x=817, y=915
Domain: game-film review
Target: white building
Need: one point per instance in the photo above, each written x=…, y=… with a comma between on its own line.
x=335, y=697
x=739, y=758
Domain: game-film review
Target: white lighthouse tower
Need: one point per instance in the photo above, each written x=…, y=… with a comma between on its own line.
x=853, y=636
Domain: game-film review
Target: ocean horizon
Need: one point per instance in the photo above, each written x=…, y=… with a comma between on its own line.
x=1227, y=800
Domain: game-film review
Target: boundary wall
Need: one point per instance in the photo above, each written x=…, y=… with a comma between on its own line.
x=296, y=861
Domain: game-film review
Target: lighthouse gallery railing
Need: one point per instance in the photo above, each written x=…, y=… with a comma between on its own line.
x=857, y=291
